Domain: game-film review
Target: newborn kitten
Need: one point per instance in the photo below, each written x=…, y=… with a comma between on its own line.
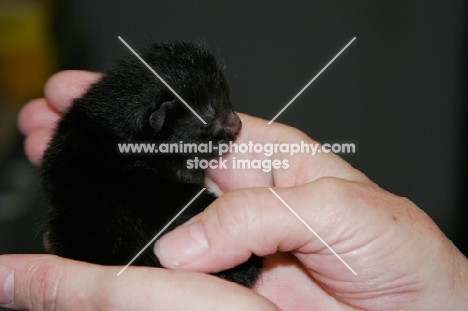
x=104, y=206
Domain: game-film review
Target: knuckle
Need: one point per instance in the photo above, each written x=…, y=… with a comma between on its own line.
x=237, y=211
x=329, y=187
x=44, y=281
x=335, y=196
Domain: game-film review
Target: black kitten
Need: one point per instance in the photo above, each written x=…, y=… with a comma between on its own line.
x=106, y=206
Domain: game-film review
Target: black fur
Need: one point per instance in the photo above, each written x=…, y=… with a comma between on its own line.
x=105, y=206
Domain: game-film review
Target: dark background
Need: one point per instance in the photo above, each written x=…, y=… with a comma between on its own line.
x=398, y=92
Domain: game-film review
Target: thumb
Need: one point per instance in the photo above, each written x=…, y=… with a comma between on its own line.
x=255, y=221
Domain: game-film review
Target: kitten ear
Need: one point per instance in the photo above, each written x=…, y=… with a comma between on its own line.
x=158, y=117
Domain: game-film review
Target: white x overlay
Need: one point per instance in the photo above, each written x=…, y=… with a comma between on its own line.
x=279, y=198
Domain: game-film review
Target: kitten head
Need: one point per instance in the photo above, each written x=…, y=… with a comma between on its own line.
x=133, y=104
x=193, y=73
x=207, y=114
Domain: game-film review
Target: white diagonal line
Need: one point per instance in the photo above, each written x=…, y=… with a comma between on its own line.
x=316, y=76
x=312, y=230
x=162, y=80
x=159, y=233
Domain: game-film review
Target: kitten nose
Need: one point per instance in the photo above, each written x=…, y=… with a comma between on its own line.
x=233, y=125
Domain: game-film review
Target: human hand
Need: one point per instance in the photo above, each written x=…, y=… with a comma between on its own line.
x=377, y=284
x=402, y=259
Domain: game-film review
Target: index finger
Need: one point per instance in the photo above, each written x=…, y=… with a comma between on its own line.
x=292, y=168
x=46, y=282
x=63, y=87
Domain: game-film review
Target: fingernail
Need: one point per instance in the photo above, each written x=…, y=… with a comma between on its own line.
x=181, y=245
x=6, y=285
